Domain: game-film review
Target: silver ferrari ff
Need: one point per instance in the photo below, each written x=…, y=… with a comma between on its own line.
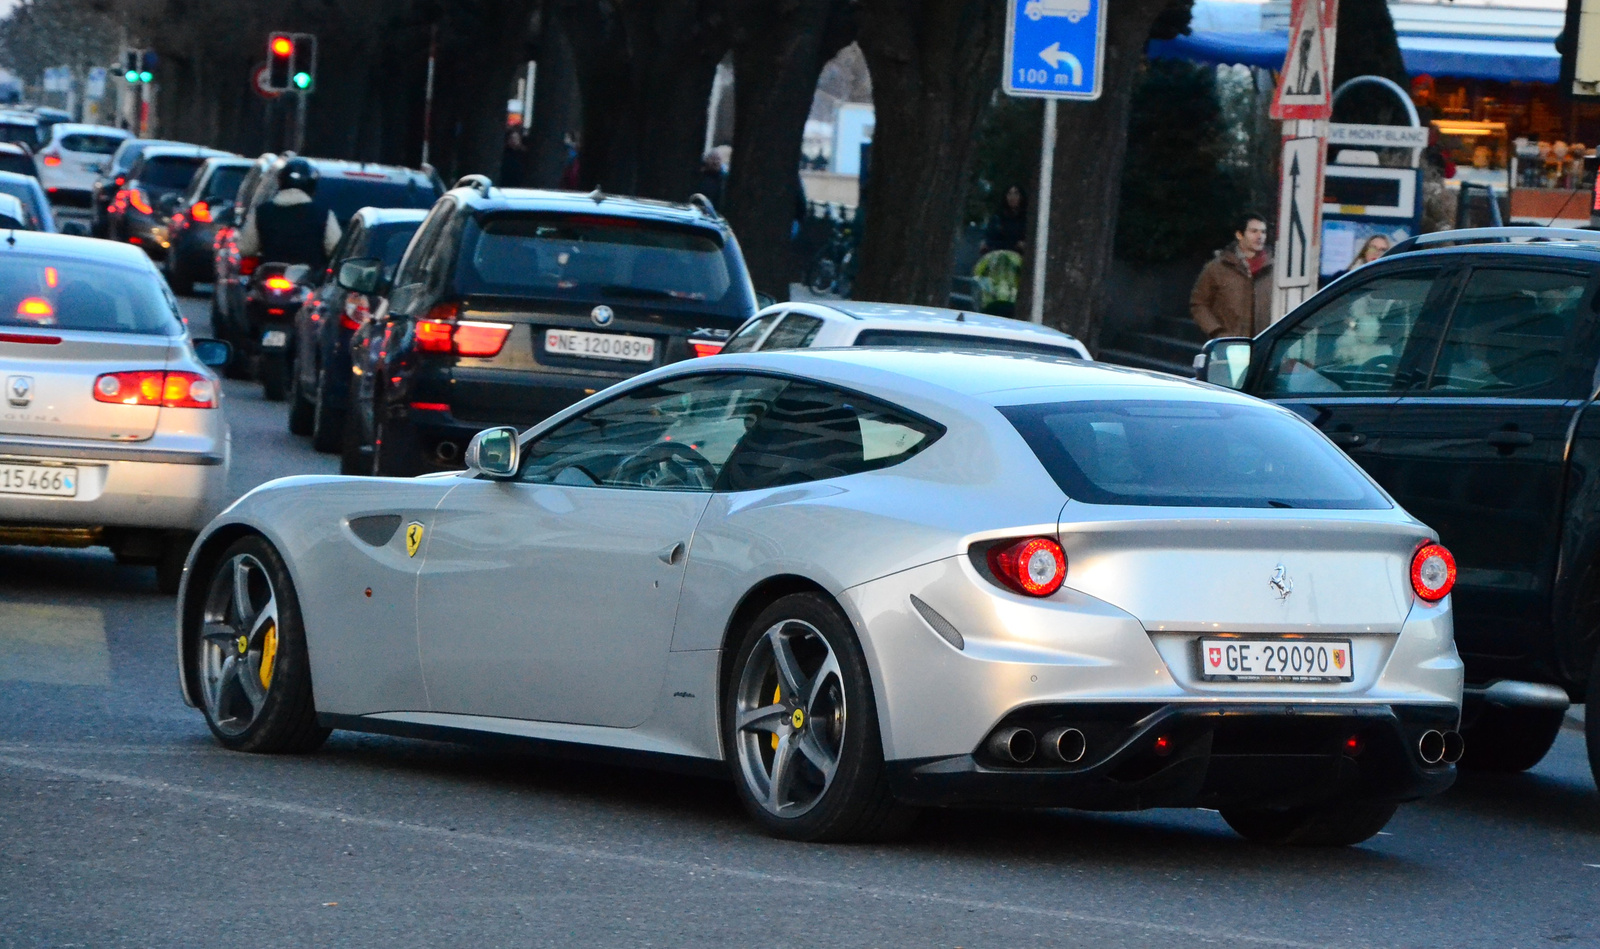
x=865, y=581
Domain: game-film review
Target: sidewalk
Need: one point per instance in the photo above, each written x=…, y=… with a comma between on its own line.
x=1574, y=718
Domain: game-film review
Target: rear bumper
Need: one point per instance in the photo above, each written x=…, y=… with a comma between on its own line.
x=1220, y=756
x=121, y=486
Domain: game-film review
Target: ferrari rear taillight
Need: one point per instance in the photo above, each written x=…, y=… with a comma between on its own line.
x=173, y=390
x=1035, y=566
x=1433, y=572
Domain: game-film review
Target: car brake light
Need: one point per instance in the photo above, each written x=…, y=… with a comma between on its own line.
x=1036, y=566
x=433, y=336
x=139, y=202
x=200, y=212
x=52, y=277
x=1433, y=572
x=279, y=284
x=36, y=310
x=29, y=338
x=52, y=161
x=248, y=265
x=706, y=347
x=178, y=219
x=480, y=339
x=173, y=390
x=444, y=312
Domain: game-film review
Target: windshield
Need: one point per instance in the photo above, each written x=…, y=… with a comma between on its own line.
x=1190, y=454
x=947, y=342
x=42, y=293
x=90, y=144
x=345, y=196
x=595, y=256
x=168, y=172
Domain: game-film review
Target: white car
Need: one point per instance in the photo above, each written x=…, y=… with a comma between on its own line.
x=852, y=323
x=1073, y=10
x=75, y=156
x=857, y=581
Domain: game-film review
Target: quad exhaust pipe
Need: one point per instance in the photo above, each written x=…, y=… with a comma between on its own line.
x=1066, y=745
x=1019, y=745
x=1015, y=745
x=1436, y=747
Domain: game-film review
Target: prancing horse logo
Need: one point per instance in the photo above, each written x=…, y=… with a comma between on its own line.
x=1280, y=582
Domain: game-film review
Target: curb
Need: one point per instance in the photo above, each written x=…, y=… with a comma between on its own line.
x=1574, y=720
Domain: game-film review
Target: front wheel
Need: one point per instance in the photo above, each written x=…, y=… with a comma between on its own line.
x=250, y=657
x=1333, y=824
x=801, y=727
x=1507, y=740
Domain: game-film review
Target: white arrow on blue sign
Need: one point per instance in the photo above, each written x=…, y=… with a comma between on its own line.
x=1054, y=48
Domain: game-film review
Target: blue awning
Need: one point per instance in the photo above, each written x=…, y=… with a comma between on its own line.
x=1505, y=60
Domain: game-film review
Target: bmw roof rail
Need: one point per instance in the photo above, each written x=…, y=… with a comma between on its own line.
x=703, y=203
x=1495, y=235
x=479, y=183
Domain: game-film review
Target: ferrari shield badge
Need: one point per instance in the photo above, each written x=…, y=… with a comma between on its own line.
x=413, y=538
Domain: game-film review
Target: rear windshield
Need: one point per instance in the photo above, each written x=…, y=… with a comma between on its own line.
x=600, y=257
x=90, y=144
x=45, y=293
x=20, y=134
x=223, y=185
x=20, y=164
x=168, y=172
x=959, y=342
x=23, y=192
x=345, y=196
x=1188, y=454
x=388, y=242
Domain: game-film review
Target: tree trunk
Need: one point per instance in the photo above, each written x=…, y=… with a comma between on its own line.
x=935, y=65
x=1091, y=141
x=1368, y=46
x=779, y=49
x=676, y=45
x=481, y=46
x=557, y=108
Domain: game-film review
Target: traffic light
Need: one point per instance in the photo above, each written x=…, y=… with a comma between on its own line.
x=280, y=54
x=131, y=65
x=147, y=67
x=303, y=65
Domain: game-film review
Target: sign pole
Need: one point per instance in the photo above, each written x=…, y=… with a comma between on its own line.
x=1303, y=101
x=427, y=96
x=1041, y=230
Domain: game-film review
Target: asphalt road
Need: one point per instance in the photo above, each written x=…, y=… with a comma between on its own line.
x=122, y=824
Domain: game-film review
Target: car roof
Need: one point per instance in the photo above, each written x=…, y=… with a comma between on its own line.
x=18, y=118
x=229, y=160
x=377, y=217
x=942, y=319
x=20, y=179
x=357, y=170
x=14, y=147
x=70, y=247
x=578, y=202
x=76, y=128
x=998, y=378
x=184, y=151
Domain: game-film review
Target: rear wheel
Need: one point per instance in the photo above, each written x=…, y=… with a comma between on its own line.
x=274, y=371
x=250, y=658
x=801, y=727
x=1332, y=824
x=327, y=424
x=1507, y=740
x=301, y=409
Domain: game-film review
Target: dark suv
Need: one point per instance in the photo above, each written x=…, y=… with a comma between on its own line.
x=513, y=304
x=1462, y=371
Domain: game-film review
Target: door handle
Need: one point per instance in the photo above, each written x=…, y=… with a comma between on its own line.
x=671, y=555
x=1348, y=439
x=1510, y=441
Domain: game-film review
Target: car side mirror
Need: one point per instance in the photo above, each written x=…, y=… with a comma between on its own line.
x=494, y=453
x=1224, y=362
x=361, y=274
x=215, y=353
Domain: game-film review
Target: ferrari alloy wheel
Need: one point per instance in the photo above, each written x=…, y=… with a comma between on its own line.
x=251, y=667
x=801, y=727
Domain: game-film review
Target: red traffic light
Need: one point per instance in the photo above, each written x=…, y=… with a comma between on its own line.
x=282, y=46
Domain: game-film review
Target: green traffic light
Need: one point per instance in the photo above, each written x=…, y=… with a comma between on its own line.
x=146, y=76
x=131, y=76
x=302, y=80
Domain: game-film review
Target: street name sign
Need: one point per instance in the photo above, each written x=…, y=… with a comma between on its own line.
x=1378, y=136
x=1054, y=48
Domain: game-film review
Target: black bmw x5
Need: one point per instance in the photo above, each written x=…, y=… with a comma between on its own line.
x=512, y=304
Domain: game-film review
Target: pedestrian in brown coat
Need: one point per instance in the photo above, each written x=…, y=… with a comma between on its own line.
x=1233, y=296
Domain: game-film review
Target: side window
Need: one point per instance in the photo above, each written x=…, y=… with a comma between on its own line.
x=441, y=260
x=746, y=339
x=411, y=267
x=1351, y=345
x=1508, y=332
x=795, y=332
x=349, y=245
x=676, y=435
x=812, y=432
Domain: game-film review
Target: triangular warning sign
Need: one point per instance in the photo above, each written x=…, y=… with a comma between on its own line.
x=1304, y=86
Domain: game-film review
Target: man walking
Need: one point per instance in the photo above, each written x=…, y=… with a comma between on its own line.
x=1233, y=296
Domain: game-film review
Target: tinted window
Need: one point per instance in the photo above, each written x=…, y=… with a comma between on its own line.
x=345, y=196
x=1188, y=454
x=677, y=435
x=168, y=171
x=1508, y=331
x=811, y=432
x=388, y=241
x=223, y=184
x=746, y=339
x=29, y=198
x=959, y=342
x=90, y=144
x=1353, y=343
x=78, y=295
x=18, y=164
x=795, y=332
x=21, y=134
x=595, y=256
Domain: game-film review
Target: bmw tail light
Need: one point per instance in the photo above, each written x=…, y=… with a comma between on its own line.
x=1433, y=572
x=1036, y=566
x=480, y=339
x=173, y=390
x=705, y=347
x=434, y=336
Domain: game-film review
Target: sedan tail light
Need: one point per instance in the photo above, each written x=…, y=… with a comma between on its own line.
x=138, y=201
x=172, y=390
x=51, y=160
x=200, y=212
x=279, y=284
x=1433, y=572
x=1035, y=566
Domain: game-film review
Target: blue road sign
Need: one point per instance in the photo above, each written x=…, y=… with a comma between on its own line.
x=1054, y=48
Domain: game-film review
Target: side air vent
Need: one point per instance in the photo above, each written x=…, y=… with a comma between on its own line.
x=375, y=529
x=940, y=625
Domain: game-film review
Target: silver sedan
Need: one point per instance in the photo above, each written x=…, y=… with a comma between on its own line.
x=110, y=425
x=860, y=582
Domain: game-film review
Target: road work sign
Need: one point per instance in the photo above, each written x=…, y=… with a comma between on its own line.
x=1054, y=48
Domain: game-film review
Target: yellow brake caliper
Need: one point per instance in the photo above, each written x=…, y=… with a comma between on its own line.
x=777, y=696
x=269, y=653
